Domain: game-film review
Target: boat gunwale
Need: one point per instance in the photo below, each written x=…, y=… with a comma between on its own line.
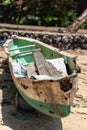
x=74, y=73
x=41, y=43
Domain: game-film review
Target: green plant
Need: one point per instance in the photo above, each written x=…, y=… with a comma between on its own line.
x=5, y=2
x=84, y=26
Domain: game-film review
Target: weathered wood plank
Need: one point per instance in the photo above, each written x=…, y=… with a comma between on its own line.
x=40, y=63
x=52, y=70
x=43, y=66
x=31, y=70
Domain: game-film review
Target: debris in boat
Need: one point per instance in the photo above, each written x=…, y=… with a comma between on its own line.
x=59, y=64
x=19, y=70
x=54, y=67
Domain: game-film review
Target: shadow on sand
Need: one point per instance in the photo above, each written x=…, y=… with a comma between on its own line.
x=29, y=120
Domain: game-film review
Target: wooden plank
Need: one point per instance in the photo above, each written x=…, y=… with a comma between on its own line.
x=21, y=55
x=44, y=67
x=21, y=47
x=52, y=70
x=40, y=63
x=25, y=53
x=31, y=70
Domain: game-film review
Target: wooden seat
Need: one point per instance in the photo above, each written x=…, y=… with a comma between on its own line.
x=43, y=66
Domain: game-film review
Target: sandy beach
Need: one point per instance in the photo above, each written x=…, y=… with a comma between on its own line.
x=12, y=119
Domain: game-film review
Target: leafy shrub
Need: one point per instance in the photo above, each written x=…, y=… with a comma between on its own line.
x=39, y=12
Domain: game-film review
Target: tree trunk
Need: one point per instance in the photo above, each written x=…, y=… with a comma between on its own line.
x=78, y=23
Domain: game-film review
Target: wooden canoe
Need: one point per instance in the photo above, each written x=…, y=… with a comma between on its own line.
x=40, y=82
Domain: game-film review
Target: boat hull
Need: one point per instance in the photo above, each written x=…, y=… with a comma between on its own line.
x=53, y=110
x=52, y=97
x=53, y=107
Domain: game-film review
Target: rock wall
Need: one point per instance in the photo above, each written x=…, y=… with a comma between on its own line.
x=59, y=40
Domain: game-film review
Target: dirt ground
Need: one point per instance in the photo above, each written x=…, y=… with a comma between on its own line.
x=12, y=119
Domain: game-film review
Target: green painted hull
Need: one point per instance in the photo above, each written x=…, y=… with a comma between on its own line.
x=51, y=109
x=54, y=110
